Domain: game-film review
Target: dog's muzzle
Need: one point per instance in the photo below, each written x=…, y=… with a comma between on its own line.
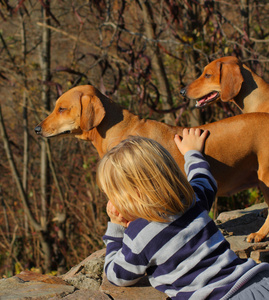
x=183, y=92
x=38, y=129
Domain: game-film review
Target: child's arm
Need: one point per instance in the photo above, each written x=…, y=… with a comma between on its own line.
x=196, y=167
x=122, y=266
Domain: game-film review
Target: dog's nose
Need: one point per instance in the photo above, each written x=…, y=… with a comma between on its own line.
x=38, y=129
x=183, y=92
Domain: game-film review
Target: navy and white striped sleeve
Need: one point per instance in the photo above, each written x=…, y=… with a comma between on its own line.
x=200, y=177
x=122, y=266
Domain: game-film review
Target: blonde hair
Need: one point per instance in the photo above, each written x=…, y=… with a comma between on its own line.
x=141, y=179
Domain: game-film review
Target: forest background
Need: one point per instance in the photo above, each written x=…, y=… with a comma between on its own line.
x=140, y=53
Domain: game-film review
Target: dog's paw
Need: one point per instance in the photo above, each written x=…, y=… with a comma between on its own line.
x=255, y=237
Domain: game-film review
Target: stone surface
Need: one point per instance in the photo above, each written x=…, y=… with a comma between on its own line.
x=82, y=267
x=85, y=295
x=142, y=290
x=242, y=219
x=16, y=288
x=260, y=255
x=88, y=273
x=32, y=276
x=87, y=281
x=236, y=225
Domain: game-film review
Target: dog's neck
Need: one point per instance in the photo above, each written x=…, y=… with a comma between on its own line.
x=253, y=96
x=118, y=124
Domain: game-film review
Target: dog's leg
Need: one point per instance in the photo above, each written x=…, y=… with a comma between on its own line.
x=264, y=230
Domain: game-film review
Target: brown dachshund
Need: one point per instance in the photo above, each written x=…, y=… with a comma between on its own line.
x=237, y=153
x=227, y=79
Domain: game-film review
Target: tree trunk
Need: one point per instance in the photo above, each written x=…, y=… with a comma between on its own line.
x=195, y=119
x=44, y=164
x=244, y=8
x=157, y=62
x=25, y=121
x=191, y=57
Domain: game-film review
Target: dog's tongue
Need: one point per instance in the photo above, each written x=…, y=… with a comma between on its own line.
x=200, y=102
x=206, y=99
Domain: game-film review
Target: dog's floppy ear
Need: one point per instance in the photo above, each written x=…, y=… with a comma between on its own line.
x=92, y=112
x=231, y=81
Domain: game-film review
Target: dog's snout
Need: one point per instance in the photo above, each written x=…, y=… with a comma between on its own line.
x=38, y=129
x=183, y=92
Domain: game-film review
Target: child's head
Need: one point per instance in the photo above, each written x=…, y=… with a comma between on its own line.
x=142, y=180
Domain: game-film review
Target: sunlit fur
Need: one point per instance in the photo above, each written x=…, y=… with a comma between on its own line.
x=142, y=180
x=234, y=82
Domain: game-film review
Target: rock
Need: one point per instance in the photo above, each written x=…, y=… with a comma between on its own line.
x=245, y=216
x=82, y=281
x=98, y=255
x=33, y=286
x=236, y=225
x=142, y=290
x=32, y=276
x=88, y=273
x=87, y=281
x=90, y=270
x=85, y=295
x=260, y=255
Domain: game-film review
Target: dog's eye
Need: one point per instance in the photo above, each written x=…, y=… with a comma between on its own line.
x=61, y=109
x=208, y=75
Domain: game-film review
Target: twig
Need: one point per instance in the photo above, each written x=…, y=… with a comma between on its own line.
x=75, y=38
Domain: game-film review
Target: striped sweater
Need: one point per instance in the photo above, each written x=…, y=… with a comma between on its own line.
x=187, y=257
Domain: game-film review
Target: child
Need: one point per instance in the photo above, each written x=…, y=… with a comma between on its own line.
x=160, y=224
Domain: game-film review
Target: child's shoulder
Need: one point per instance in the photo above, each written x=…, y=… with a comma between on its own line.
x=141, y=228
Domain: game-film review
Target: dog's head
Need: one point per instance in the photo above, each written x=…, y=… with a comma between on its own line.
x=78, y=110
x=220, y=80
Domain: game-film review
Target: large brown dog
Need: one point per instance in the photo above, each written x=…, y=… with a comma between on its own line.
x=227, y=79
x=237, y=153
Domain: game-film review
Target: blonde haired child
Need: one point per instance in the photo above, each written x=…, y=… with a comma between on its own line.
x=160, y=225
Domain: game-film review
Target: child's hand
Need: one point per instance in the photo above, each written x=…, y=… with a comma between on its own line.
x=115, y=216
x=191, y=140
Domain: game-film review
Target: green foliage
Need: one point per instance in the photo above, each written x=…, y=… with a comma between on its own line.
x=211, y=214
x=240, y=200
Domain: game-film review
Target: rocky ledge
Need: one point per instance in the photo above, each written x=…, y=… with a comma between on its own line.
x=87, y=281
